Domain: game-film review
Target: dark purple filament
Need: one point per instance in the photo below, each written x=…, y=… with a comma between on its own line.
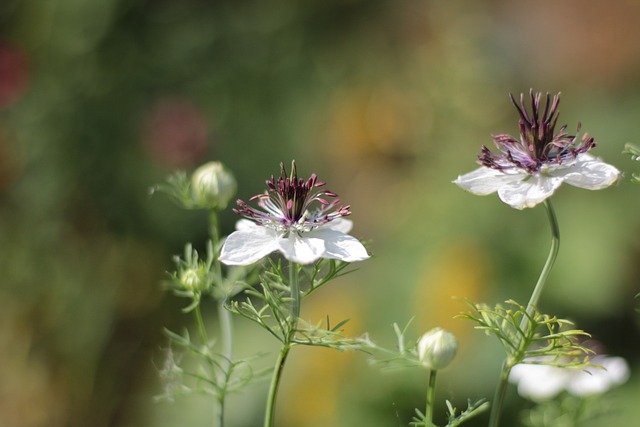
x=291, y=203
x=538, y=145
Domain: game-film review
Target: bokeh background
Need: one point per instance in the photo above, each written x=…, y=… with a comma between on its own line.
x=387, y=100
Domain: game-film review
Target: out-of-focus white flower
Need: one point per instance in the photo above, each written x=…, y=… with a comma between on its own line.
x=540, y=382
x=437, y=348
x=615, y=372
x=296, y=220
x=528, y=170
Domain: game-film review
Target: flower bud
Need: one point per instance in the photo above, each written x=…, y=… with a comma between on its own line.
x=212, y=185
x=193, y=280
x=437, y=348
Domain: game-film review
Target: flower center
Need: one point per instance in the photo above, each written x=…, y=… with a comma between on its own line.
x=293, y=204
x=539, y=144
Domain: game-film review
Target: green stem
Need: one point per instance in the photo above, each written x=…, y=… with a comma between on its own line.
x=214, y=232
x=226, y=330
x=553, y=253
x=295, y=295
x=275, y=385
x=214, y=226
x=286, y=345
x=201, y=328
x=509, y=363
x=220, y=411
x=498, y=398
x=431, y=391
x=224, y=318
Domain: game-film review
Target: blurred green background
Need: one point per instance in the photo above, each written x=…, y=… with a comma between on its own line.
x=386, y=100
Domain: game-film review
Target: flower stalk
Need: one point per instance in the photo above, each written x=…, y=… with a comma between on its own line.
x=224, y=316
x=551, y=258
x=295, y=295
x=201, y=328
x=525, y=324
x=431, y=392
x=269, y=414
x=226, y=330
x=498, y=398
x=287, y=344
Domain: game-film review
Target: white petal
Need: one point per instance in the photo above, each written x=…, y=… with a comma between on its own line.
x=248, y=245
x=483, y=181
x=597, y=381
x=617, y=369
x=339, y=245
x=303, y=250
x=245, y=224
x=588, y=172
x=587, y=384
x=538, y=382
x=339, y=224
x=530, y=191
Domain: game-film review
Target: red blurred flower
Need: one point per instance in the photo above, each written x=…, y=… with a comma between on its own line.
x=14, y=73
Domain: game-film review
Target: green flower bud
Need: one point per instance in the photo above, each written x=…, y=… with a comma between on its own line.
x=212, y=185
x=193, y=280
x=437, y=348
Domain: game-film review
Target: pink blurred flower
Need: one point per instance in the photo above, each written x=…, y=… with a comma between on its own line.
x=175, y=133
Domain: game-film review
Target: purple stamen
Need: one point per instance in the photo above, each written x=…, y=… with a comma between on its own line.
x=538, y=145
x=291, y=203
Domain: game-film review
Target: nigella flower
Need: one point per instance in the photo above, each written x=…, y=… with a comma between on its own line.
x=528, y=170
x=539, y=382
x=295, y=218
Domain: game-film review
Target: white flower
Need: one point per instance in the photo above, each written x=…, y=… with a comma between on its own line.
x=528, y=170
x=520, y=189
x=539, y=382
x=598, y=381
x=297, y=221
x=252, y=242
